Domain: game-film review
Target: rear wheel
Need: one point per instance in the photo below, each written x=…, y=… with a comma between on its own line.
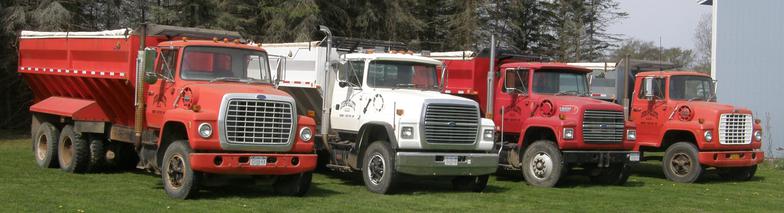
x=97, y=154
x=616, y=174
x=738, y=173
x=680, y=163
x=378, y=171
x=179, y=180
x=293, y=185
x=73, y=151
x=542, y=164
x=45, y=145
x=473, y=183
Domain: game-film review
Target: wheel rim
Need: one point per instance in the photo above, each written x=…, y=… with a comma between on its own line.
x=375, y=167
x=65, y=151
x=42, y=146
x=541, y=165
x=175, y=171
x=680, y=164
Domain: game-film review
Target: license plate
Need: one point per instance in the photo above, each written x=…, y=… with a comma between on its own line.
x=258, y=161
x=450, y=160
x=734, y=156
x=634, y=156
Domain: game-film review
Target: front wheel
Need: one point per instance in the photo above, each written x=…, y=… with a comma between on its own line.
x=378, y=171
x=738, y=173
x=616, y=174
x=543, y=164
x=680, y=163
x=293, y=185
x=473, y=183
x=179, y=180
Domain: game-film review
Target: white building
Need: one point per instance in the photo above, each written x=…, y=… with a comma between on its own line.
x=748, y=47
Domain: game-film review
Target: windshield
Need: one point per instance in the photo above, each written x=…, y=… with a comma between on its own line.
x=221, y=63
x=560, y=82
x=402, y=74
x=683, y=87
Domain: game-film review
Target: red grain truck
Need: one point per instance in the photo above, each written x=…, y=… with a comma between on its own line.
x=158, y=99
x=547, y=124
x=676, y=113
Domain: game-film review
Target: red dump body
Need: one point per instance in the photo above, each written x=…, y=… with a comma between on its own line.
x=102, y=70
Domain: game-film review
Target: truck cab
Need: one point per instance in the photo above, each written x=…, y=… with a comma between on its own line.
x=384, y=114
x=676, y=112
x=547, y=122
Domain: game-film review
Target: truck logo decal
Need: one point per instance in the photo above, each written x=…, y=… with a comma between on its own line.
x=452, y=124
x=261, y=97
x=603, y=126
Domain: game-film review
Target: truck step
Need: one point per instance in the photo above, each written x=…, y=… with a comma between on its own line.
x=339, y=168
x=508, y=167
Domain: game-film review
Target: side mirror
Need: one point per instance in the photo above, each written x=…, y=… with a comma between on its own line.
x=648, y=89
x=342, y=84
x=150, y=78
x=148, y=63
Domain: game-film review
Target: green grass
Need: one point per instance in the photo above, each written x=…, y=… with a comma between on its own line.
x=27, y=188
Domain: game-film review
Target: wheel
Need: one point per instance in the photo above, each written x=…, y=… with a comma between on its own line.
x=473, y=183
x=97, y=154
x=293, y=185
x=45, y=145
x=73, y=151
x=680, y=163
x=378, y=171
x=542, y=164
x=738, y=173
x=616, y=174
x=179, y=180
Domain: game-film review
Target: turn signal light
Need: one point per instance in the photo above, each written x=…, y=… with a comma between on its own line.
x=311, y=113
x=196, y=108
x=399, y=112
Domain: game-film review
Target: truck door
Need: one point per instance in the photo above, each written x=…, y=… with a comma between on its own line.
x=512, y=96
x=160, y=95
x=347, y=96
x=649, y=113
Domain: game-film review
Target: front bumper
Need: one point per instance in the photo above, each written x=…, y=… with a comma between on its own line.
x=432, y=163
x=239, y=163
x=601, y=156
x=731, y=158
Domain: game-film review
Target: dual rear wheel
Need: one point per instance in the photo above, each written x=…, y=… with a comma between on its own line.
x=65, y=149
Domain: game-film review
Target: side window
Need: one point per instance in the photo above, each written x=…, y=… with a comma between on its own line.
x=167, y=62
x=517, y=79
x=658, y=89
x=352, y=72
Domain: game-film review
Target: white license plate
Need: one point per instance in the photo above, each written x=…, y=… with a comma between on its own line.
x=634, y=156
x=450, y=160
x=258, y=161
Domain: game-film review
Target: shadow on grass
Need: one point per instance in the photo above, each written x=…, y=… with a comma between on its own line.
x=710, y=176
x=575, y=180
x=409, y=184
x=221, y=187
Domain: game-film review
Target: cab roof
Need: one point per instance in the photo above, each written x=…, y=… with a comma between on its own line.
x=213, y=43
x=545, y=65
x=393, y=57
x=669, y=73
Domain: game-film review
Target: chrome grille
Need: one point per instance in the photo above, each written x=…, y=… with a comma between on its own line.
x=451, y=123
x=603, y=126
x=251, y=121
x=735, y=128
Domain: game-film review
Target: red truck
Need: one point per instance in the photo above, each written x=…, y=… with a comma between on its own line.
x=676, y=113
x=546, y=123
x=158, y=99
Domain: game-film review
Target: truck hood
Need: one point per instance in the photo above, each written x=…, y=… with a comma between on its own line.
x=414, y=101
x=711, y=111
x=210, y=95
x=582, y=102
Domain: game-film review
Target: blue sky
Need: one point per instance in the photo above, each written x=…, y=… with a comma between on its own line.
x=672, y=20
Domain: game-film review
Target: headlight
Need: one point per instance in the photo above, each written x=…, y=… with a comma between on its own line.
x=489, y=135
x=407, y=132
x=205, y=130
x=708, y=136
x=758, y=135
x=305, y=134
x=631, y=134
x=568, y=133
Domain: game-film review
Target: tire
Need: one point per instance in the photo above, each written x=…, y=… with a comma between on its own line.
x=179, y=180
x=543, y=164
x=293, y=185
x=473, y=183
x=680, y=163
x=738, y=173
x=378, y=170
x=97, y=155
x=616, y=174
x=73, y=151
x=45, y=145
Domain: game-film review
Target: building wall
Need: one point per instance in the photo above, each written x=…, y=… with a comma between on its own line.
x=749, y=51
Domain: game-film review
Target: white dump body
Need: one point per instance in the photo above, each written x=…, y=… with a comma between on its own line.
x=304, y=65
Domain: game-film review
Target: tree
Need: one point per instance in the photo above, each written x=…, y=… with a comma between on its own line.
x=702, y=43
x=647, y=50
x=581, y=28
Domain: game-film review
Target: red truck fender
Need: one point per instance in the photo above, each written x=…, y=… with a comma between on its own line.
x=76, y=109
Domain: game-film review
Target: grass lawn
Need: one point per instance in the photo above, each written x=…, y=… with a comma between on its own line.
x=27, y=188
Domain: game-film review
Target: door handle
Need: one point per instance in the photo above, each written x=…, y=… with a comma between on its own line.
x=636, y=109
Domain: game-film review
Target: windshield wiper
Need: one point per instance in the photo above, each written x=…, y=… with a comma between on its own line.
x=406, y=85
x=567, y=92
x=225, y=79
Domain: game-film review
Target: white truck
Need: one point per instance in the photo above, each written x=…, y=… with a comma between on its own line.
x=382, y=113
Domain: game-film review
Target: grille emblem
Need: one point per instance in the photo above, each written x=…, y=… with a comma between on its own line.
x=452, y=124
x=261, y=97
x=603, y=126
